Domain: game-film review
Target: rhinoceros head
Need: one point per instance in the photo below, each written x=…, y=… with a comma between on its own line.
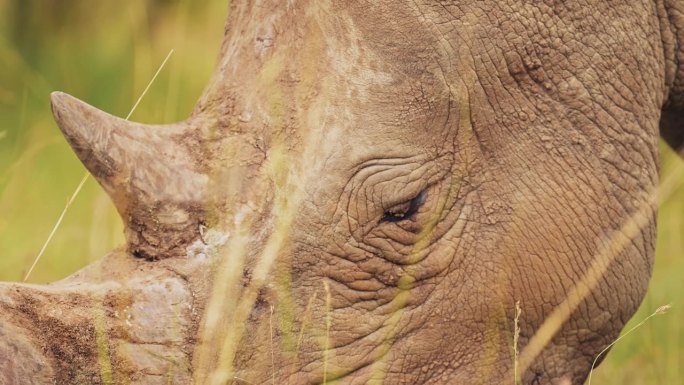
x=366, y=190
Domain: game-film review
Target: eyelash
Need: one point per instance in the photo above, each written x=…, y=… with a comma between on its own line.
x=413, y=206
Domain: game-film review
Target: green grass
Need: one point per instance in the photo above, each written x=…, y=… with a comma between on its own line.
x=105, y=52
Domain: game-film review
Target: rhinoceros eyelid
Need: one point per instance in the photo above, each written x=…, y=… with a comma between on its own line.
x=405, y=210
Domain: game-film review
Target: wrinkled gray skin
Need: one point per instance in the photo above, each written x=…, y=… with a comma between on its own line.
x=524, y=134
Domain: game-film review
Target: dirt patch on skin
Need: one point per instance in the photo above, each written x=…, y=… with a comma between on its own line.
x=151, y=239
x=65, y=332
x=135, y=329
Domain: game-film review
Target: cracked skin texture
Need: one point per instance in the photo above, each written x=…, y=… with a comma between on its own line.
x=515, y=138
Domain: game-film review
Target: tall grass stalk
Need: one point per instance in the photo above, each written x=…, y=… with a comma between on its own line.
x=87, y=175
x=516, y=340
x=102, y=341
x=328, y=325
x=270, y=329
x=56, y=226
x=659, y=311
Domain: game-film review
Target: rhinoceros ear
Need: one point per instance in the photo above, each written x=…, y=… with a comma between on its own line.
x=151, y=172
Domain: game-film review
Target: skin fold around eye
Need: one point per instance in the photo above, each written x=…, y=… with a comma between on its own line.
x=405, y=210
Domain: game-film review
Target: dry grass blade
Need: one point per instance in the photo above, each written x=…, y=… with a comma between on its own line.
x=85, y=177
x=659, y=311
x=270, y=328
x=516, y=339
x=102, y=341
x=328, y=324
x=149, y=84
x=56, y=226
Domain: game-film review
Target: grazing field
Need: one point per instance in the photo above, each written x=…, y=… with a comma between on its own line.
x=105, y=52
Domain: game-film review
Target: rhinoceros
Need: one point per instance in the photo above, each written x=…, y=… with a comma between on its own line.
x=395, y=192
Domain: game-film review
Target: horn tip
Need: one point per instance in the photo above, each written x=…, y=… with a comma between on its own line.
x=64, y=108
x=55, y=96
x=60, y=100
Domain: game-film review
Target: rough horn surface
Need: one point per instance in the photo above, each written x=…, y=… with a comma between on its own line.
x=153, y=173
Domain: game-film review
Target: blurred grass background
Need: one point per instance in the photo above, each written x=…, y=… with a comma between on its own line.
x=105, y=52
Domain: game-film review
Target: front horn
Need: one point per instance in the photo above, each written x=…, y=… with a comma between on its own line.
x=153, y=174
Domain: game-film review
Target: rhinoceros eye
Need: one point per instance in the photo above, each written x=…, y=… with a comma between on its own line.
x=405, y=210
